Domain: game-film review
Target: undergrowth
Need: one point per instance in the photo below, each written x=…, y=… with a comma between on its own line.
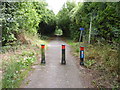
x=16, y=69
x=19, y=59
x=102, y=58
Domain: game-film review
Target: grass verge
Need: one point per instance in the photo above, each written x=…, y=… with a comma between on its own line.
x=104, y=60
x=16, y=69
x=17, y=62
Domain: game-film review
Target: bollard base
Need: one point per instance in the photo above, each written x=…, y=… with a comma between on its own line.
x=81, y=63
x=63, y=62
x=43, y=62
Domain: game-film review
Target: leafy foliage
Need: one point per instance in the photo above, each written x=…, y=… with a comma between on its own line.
x=63, y=16
x=105, y=22
x=35, y=17
x=19, y=17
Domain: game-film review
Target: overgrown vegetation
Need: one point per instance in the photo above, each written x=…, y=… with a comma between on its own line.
x=25, y=17
x=102, y=59
x=102, y=51
x=17, y=64
x=21, y=34
x=103, y=16
x=16, y=69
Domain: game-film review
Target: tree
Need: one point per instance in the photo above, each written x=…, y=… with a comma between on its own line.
x=63, y=17
x=105, y=22
x=25, y=17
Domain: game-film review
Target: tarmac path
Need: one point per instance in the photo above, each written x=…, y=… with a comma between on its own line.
x=53, y=74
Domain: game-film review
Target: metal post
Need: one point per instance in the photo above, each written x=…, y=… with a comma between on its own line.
x=80, y=39
x=90, y=30
x=82, y=55
x=63, y=55
x=43, y=54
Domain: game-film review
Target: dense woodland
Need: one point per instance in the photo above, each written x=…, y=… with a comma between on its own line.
x=104, y=18
x=35, y=19
x=29, y=17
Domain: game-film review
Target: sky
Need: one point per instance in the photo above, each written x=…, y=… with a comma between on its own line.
x=56, y=5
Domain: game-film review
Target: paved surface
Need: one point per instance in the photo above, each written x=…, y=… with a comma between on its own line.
x=53, y=74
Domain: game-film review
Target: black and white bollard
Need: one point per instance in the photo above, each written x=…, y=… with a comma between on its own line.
x=81, y=55
x=63, y=61
x=43, y=54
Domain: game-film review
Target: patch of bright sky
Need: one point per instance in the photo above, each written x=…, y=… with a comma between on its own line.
x=56, y=5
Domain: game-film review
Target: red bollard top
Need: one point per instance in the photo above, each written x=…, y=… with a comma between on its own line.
x=63, y=46
x=81, y=48
x=42, y=46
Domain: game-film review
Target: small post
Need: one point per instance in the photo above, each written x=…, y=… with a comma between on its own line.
x=63, y=55
x=90, y=30
x=43, y=54
x=82, y=55
x=81, y=35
